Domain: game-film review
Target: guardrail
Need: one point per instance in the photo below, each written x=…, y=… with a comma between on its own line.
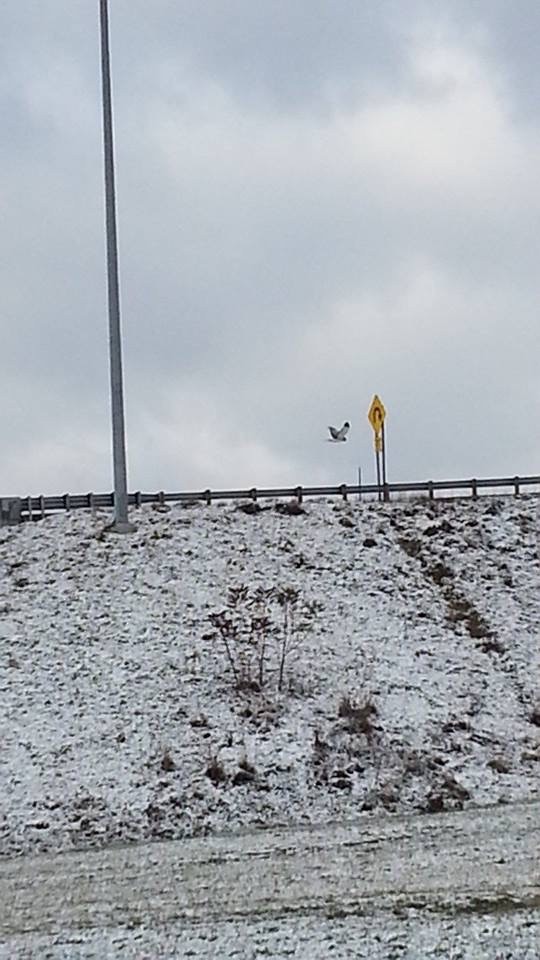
x=17, y=509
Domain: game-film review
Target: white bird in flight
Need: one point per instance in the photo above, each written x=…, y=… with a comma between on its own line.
x=341, y=434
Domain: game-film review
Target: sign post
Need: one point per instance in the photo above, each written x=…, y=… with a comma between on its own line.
x=376, y=417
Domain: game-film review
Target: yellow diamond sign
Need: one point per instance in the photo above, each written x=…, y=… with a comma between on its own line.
x=376, y=415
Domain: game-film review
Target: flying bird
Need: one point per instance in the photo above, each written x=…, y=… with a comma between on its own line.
x=340, y=434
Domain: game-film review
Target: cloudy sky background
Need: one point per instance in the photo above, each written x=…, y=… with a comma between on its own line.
x=318, y=200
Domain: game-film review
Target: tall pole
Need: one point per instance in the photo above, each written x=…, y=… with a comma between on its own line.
x=121, y=523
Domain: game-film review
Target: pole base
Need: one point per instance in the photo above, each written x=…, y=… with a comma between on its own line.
x=121, y=526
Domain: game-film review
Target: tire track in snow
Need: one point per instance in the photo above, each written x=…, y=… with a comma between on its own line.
x=483, y=859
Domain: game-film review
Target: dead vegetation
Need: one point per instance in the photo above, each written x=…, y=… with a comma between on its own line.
x=259, y=629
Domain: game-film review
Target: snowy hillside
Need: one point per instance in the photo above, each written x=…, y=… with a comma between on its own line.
x=411, y=682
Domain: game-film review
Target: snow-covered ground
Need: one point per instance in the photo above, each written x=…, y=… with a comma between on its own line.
x=413, y=682
x=462, y=885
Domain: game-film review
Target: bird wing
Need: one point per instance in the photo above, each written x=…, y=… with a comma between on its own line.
x=342, y=433
x=334, y=433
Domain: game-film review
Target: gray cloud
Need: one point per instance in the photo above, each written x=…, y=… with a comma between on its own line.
x=314, y=205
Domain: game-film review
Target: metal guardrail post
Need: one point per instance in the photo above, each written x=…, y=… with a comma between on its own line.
x=10, y=511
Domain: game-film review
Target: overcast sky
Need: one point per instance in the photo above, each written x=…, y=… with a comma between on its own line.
x=318, y=200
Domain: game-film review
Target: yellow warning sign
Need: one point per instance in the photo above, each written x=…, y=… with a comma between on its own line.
x=377, y=415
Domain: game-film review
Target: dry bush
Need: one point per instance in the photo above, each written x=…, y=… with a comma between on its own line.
x=215, y=771
x=258, y=630
x=357, y=717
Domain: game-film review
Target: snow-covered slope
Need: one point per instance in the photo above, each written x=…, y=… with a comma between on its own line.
x=414, y=684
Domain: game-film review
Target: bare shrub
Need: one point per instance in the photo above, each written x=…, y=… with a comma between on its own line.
x=287, y=599
x=243, y=628
x=357, y=716
x=215, y=771
x=246, y=773
x=534, y=716
x=258, y=630
x=167, y=763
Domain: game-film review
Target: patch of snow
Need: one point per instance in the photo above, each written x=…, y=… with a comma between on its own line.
x=107, y=666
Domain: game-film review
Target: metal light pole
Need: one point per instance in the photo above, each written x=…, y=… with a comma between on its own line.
x=121, y=523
